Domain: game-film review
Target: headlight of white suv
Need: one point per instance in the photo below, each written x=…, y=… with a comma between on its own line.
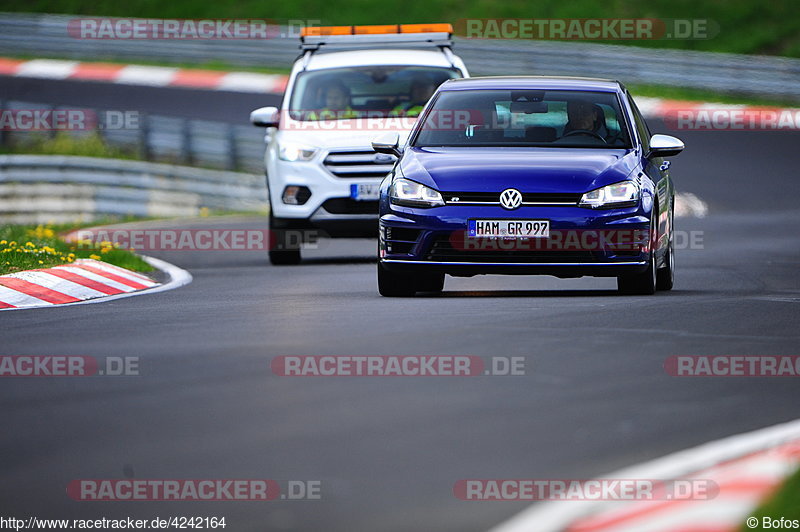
x=412, y=194
x=622, y=194
x=295, y=152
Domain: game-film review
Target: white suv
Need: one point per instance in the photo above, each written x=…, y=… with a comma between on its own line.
x=344, y=90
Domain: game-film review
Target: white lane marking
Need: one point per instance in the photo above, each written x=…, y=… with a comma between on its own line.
x=687, y=205
x=554, y=517
x=46, y=68
x=177, y=277
x=19, y=299
x=58, y=284
x=248, y=82
x=146, y=75
x=95, y=277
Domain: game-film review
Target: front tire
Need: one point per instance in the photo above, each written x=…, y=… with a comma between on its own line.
x=283, y=251
x=433, y=282
x=394, y=284
x=644, y=283
x=640, y=284
x=285, y=258
x=665, y=277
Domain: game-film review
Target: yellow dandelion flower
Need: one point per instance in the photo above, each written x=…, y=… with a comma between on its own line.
x=95, y=257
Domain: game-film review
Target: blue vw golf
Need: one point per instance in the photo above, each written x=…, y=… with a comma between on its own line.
x=527, y=175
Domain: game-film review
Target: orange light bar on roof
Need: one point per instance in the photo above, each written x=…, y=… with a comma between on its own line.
x=426, y=28
x=319, y=31
x=374, y=30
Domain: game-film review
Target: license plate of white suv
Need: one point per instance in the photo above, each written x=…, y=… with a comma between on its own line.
x=509, y=228
x=365, y=191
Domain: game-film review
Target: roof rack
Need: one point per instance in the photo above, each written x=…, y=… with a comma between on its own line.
x=315, y=38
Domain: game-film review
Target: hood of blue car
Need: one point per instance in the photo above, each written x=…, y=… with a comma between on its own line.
x=563, y=170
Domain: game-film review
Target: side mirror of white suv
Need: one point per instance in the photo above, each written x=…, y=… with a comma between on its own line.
x=265, y=117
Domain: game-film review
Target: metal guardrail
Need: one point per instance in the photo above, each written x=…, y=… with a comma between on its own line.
x=54, y=188
x=31, y=34
x=190, y=142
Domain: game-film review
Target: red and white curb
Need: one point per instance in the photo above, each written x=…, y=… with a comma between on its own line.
x=747, y=468
x=716, y=114
x=152, y=76
x=84, y=281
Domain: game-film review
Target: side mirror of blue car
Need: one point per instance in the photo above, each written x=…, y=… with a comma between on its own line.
x=388, y=143
x=665, y=146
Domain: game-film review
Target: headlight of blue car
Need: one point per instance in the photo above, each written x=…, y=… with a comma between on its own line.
x=412, y=194
x=622, y=194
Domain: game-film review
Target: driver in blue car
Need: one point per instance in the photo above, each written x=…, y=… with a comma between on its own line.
x=585, y=118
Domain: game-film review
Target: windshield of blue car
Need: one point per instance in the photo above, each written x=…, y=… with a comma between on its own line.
x=368, y=91
x=523, y=118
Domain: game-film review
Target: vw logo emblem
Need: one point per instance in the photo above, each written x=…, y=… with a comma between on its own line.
x=510, y=198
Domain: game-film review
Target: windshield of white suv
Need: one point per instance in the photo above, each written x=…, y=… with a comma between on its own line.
x=536, y=118
x=370, y=91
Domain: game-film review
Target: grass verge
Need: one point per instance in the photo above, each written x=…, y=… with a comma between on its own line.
x=63, y=143
x=784, y=504
x=28, y=247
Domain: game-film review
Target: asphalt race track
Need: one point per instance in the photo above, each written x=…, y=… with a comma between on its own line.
x=388, y=451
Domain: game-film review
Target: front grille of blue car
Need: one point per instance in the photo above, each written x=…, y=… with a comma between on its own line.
x=538, y=198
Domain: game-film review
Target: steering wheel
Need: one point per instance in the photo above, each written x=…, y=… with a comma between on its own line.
x=584, y=132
